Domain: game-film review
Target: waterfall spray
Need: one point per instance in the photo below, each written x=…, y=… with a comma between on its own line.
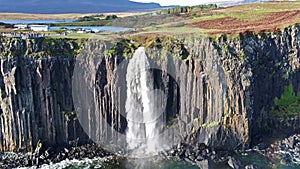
x=144, y=108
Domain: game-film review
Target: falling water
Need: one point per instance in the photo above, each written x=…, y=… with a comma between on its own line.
x=144, y=107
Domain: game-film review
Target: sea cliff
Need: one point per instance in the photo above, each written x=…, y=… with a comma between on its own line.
x=229, y=93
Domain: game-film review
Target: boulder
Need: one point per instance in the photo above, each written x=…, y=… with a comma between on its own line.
x=204, y=164
x=234, y=163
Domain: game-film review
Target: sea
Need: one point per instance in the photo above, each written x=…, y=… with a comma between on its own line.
x=35, y=21
x=99, y=163
x=92, y=28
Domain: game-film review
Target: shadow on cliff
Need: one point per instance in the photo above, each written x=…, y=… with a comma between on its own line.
x=274, y=60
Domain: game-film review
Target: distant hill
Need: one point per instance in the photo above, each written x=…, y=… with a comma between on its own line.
x=73, y=6
x=86, y=6
x=238, y=2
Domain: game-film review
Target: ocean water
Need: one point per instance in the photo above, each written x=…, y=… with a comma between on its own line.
x=99, y=163
x=93, y=28
x=263, y=162
x=34, y=21
x=163, y=163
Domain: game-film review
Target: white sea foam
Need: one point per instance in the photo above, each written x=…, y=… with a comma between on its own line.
x=83, y=163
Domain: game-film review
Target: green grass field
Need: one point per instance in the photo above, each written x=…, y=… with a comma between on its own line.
x=257, y=16
x=207, y=22
x=74, y=36
x=259, y=10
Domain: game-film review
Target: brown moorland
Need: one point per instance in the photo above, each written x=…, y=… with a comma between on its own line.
x=257, y=17
x=270, y=23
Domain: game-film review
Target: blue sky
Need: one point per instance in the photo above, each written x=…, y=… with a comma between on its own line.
x=183, y=2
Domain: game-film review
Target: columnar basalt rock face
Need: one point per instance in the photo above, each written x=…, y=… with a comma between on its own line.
x=216, y=102
x=263, y=65
x=279, y=60
x=36, y=100
x=219, y=93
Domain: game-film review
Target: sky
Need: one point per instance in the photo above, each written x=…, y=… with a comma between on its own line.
x=183, y=2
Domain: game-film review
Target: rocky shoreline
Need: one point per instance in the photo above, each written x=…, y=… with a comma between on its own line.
x=205, y=157
x=54, y=155
x=200, y=154
x=286, y=152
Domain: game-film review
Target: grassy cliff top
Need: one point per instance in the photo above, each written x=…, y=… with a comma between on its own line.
x=255, y=17
x=203, y=20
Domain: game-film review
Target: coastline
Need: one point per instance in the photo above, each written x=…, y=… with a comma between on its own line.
x=281, y=153
x=62, y=16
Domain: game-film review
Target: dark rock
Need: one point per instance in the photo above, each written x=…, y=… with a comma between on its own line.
x=251, y=166
x=290, y=142
x=192, y=157
x=197, y=152
x=188, y=160
x=205, y=152
x=201, y=146
x=187, y=152
x=164, y=153
x=200, y=158
x=172, y=152
x=66, y=150
x=288, y=150
x=204, y=164
x=179, y=145
x=25, y=162
x=283, y=162
x=182, y=154
x=234, y=163
x=262, y=146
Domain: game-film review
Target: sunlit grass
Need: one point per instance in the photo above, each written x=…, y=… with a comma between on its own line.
x=74, y=36
x=208, y=17
x=259, y=10
x=249, y=12
x=179, y=26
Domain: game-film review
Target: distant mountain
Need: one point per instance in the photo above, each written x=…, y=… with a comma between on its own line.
x=73, y=6
x=253, y=1
x=87, y=6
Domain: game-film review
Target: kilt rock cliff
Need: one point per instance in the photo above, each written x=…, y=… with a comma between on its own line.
x=230, y=93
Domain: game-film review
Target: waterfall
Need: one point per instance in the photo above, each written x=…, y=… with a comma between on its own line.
x=144, y=108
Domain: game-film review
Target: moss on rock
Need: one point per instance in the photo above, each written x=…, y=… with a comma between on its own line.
x=287, y=104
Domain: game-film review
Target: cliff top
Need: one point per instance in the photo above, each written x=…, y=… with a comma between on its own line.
x=209, y=20
x=202, y=20
x=255, y=17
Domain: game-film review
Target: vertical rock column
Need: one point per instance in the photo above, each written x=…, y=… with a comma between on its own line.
x=36, y=103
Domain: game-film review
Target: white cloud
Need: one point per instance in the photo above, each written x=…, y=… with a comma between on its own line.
x=183, y=2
